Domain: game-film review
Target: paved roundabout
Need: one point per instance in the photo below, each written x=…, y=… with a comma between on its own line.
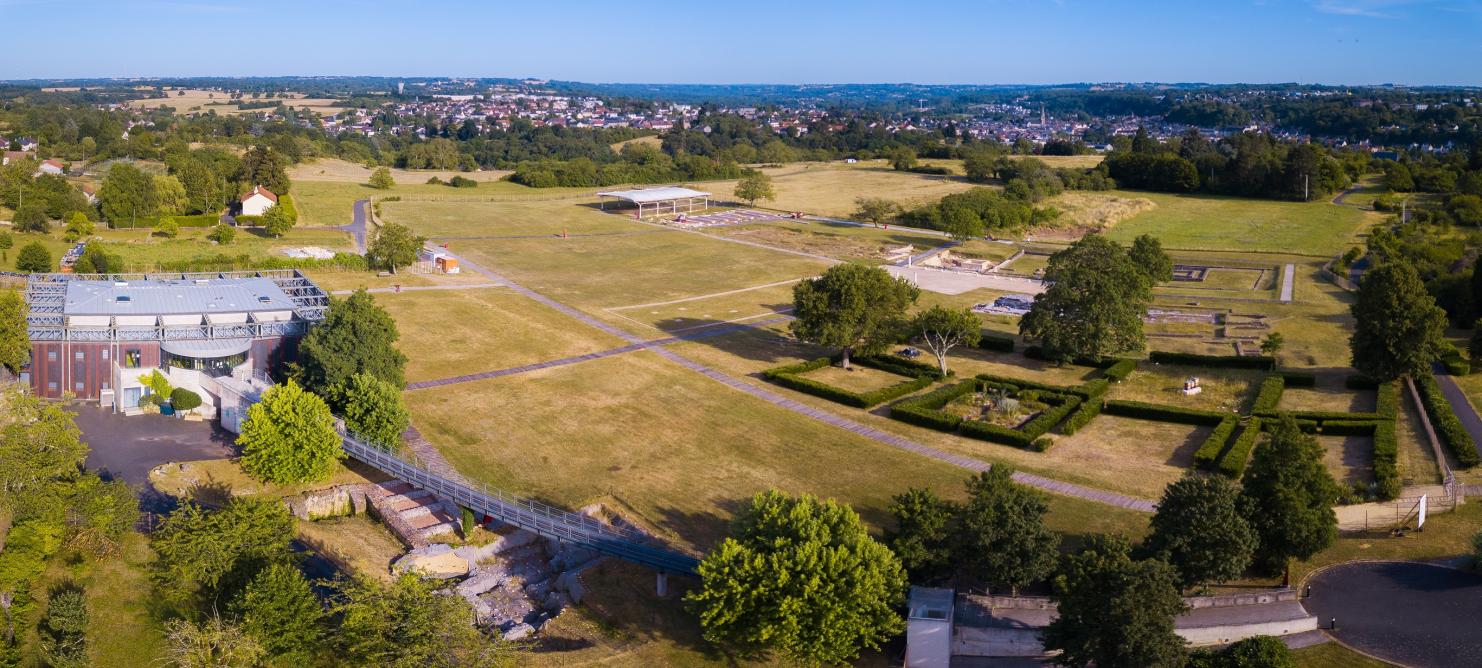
x=1411, y=613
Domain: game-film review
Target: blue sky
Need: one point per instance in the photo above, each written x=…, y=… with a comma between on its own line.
x=763, y=41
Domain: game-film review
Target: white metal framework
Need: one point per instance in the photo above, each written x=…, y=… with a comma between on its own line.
x=669, y=197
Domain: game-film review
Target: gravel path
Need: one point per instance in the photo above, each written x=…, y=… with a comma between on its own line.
x=1288, y=278
x=1047, y=484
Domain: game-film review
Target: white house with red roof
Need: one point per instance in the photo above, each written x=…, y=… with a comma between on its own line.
x=51, y=166
x=258, y=201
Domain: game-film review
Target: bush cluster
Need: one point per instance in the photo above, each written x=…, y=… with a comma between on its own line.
x=1081, y=417
x=925, y=410
x=918, y=376
x=1160, y=413
x=1444, y=420
x=1262, y=363
x=1455, y=362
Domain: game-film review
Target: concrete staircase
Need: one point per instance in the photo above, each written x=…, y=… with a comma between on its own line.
x=416, y=516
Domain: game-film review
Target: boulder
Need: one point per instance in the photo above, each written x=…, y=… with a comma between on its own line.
x=434, y=561
x=556, y=601
x=479, y=584
x=519, y=632
x=538, y=590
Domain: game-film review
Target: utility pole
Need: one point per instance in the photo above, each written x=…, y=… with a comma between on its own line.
x=1305, y=197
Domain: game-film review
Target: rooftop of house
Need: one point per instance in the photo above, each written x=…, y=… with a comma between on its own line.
x=259, y=190
x=170, y=297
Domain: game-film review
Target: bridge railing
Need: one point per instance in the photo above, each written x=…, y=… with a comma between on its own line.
x=539, y=518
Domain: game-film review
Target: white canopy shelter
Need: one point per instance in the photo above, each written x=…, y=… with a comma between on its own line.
x=662, y=198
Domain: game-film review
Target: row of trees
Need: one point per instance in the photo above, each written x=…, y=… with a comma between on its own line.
x=802, y=578
x=1244, y=164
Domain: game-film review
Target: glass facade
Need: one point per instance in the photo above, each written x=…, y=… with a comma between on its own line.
x=211, y=366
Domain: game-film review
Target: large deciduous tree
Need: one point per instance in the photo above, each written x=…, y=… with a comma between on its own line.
x=800, y=577
x=941, y=329
x=394, y=246
x=15, y=341
x=374, y=409
x=356, y=336
x=923, y=535
x=380, y=179
x=266, y=167
x=206, y=556
x=1002, y=538
x=1200, y=531
x=1114, y=611
x=1398, y=329
x=755, y=185
x=279, y=609
x=289, y=437
x=1148, y=254
x=1288, y=498
x=852, y=307
x=126, y=195
x=1094, y=304
x=875, y=210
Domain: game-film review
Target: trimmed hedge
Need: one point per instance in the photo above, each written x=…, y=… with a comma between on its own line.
x=1225, y=361
x=791, y=377
x=1119, y=370
x=1388, y=404
x=923, y=411
x=1087, y=390
x=1160, y=413
x=1386, y=470
x=1348, y=428
x=1269, y=396
x=1081, y=417
x=1038, y=353
x=1444, y=420
x=996, y=342
x=1456, y=363
x=1208, y=454
x=1233, y=462
x=199, y=220
x=1093, y=388
x=1326, y=416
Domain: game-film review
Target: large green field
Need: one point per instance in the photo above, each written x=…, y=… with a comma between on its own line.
x=142, y=251
x=1212, y=222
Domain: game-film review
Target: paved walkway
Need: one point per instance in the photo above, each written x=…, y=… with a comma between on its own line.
x=1047, y=484
x=1462, y=406
x=1288, y=282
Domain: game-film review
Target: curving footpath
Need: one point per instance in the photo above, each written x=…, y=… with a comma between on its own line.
x=1047, y=484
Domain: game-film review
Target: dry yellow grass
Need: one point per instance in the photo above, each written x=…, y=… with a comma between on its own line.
x=1091, y=211
x=651, y=140
x=1146, y=455
x=829, y=189
x=194, y=100
x=342, y=171
x=356, y=544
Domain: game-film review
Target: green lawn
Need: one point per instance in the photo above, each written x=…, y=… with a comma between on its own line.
x=141, y=251
x=1333, y=655
x=122, y=631
x=1212, y=222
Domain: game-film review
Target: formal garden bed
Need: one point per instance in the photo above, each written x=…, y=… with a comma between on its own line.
x=1004, y=410
x=872, y=387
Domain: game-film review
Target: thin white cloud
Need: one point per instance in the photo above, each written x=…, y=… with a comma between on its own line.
x=1379, y=9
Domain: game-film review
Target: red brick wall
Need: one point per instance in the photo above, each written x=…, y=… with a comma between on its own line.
x=51, y=377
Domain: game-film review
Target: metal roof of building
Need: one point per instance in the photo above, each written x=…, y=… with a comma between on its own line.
x=169, y=297
x=647, y=195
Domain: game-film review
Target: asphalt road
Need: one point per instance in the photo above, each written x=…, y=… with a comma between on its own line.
x=127, y=447
x=1414, y=614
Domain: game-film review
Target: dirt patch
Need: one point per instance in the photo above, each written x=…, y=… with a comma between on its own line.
x=834, y=246
x=1084, y=212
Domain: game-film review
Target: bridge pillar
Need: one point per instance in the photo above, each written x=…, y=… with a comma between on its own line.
x=663, y=584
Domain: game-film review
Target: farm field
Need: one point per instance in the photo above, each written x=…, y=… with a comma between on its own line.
x=829, y=189
x=457, y=332
x=192, y=101
x=334, y=169
x=668, y=447
x=457, y=220
x=1209, y=222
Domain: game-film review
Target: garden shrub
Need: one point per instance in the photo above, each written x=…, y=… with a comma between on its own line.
x=924, y=411
x=184, y=400
x=1120, y=369
x=1455, y=362
x=1269, y=395
x=996, y=342
x=1386, y=467
x=250, y=221
x=1388, y=404
x=1223, y=361
x=199, y=220
x=1444, y=420
x=1091, y=389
